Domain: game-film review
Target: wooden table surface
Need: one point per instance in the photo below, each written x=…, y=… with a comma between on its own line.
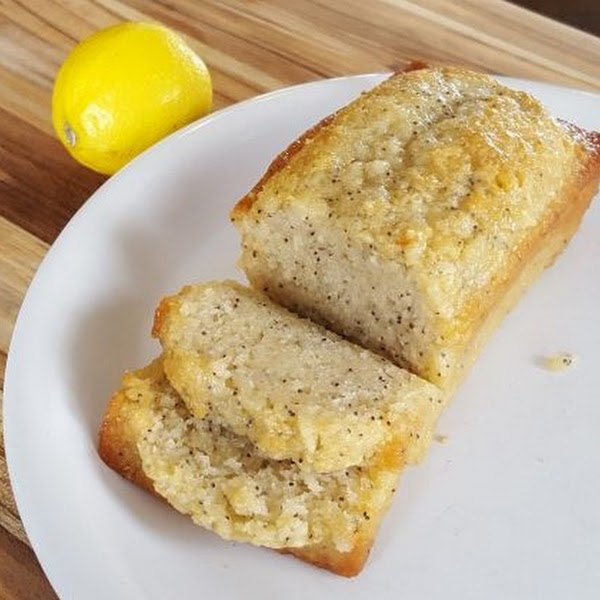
x=251, y=47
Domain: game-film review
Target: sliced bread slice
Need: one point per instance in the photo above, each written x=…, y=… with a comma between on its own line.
x=224, y=484
x=294, y=389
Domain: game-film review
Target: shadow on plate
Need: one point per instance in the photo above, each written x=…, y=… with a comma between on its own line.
x=113, y=332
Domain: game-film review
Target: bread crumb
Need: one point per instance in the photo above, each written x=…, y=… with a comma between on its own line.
x=560, y=361
x=440, y=439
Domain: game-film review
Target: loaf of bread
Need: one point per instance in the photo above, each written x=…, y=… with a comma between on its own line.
x=226, y=485
x=409, y=222
x=294, y=389
x=413, y=219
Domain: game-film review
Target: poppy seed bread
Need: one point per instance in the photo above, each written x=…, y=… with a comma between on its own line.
x=218, y=478
x=412, y=220
x=294, y=389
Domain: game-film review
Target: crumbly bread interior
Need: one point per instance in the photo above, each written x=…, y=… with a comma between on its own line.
x=375, y=299
x=294, y=389
x=224, y=484
x=401, y=220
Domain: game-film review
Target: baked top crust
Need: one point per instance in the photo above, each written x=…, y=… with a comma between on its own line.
x=444, y=170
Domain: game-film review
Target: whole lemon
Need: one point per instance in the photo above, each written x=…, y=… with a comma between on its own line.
x=124, y=88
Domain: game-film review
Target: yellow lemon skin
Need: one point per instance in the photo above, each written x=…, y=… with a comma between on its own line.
x=124, y=88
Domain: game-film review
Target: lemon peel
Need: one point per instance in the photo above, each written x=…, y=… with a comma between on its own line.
x=124, y=88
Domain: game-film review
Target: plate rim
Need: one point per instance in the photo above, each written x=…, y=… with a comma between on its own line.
x=18, y=480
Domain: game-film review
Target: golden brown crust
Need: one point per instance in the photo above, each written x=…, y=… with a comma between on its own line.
x=543, y=246
x=160, y=314
x=116, y=444
x=283, y=158
x=279, y=162
x=347, y=564
x=413, y=65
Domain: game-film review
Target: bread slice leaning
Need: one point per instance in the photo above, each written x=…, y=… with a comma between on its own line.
x=294, y=389
x=413, y=219
x=221, y=481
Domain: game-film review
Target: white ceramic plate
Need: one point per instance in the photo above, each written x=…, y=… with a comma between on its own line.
x=507, y=508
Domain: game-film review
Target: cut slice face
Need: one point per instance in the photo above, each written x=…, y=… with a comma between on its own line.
x=294, y=389
x=224, y=484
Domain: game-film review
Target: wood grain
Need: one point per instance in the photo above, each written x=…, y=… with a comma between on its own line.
x=9, y=516
x=20, y=573
x=251, y=47
x=20, y=255
x=583, y=14
x=41, y=205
